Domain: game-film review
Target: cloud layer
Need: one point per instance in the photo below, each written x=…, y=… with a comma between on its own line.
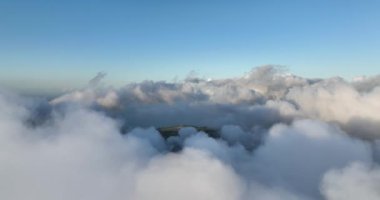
x=278, y=136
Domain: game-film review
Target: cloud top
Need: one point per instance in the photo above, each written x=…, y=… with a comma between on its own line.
x=274, y=136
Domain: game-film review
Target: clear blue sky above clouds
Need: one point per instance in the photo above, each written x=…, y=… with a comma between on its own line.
x=65, y=43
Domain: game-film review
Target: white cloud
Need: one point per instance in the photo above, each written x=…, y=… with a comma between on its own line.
x=356, y=181
x=278, y=136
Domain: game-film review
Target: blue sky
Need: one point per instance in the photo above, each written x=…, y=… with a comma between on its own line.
x=62, y=44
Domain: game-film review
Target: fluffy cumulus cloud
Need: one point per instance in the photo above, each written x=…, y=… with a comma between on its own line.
x=192, y=174
x=267, y=135
x=356, y=181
